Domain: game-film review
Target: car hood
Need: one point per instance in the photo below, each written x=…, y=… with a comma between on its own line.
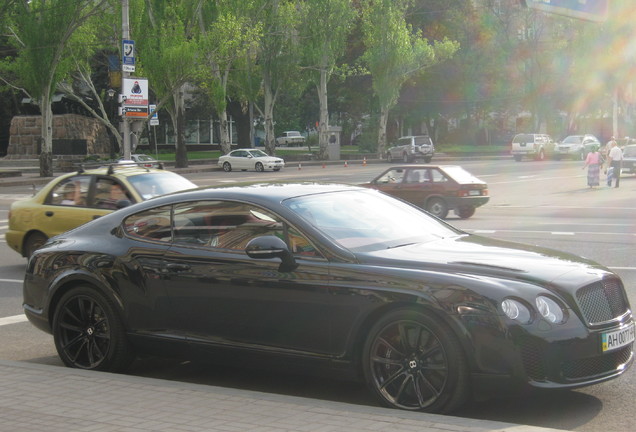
x=480, y=256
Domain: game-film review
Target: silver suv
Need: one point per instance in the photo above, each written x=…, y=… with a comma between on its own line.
x=535, y=146
x=411, y=148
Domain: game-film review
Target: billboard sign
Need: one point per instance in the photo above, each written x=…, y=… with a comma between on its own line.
x=135, y=90
x=591, y=10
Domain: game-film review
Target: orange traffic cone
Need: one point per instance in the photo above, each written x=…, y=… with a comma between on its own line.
x=346, y=164
x=323, y=164
x=364, y=162
x=300, y=166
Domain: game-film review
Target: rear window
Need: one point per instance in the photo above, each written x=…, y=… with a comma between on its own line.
x=423, y=140
x=159, y=183
x=523, y=138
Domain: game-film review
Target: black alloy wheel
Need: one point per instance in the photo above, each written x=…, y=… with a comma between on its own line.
x=88, y=332
x=227, y=167
x=259, y=167
x=437, y=207
x=34, y=241
x=414, y=362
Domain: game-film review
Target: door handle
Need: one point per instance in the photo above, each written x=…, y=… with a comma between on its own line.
x=49, y=213
x=178, y=267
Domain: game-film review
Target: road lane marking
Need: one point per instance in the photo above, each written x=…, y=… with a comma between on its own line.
x=12, y=280
x=13, y=320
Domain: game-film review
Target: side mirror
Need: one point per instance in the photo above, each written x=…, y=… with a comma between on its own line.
x=267, y=247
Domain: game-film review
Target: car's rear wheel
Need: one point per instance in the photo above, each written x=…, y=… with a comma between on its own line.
x=33, y=241
x=88, y=332
x=437, y=207
x=413, y=361
x=466, y=212
x=227, y=167
x=259, y=167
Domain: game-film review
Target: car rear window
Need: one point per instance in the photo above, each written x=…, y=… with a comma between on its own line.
x=159, y=183
x=423, y=140
x=523, y=138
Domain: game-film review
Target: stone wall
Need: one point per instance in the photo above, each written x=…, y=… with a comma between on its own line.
x=84, y=132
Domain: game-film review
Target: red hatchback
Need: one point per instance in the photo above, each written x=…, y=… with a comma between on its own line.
x=435, y=188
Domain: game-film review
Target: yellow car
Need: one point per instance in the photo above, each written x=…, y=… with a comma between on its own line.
x=76, y=198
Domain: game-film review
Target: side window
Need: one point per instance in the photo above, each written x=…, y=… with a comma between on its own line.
x=392, y=176
x=438, y=177
x=71, y=192
x=108, y=193
x=153, y=224
x=417, y=176
x=224, y=225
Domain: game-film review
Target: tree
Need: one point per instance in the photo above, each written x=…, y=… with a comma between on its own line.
x=323, y=32
x=42, y=30
x=394, y=52
x=166, y=34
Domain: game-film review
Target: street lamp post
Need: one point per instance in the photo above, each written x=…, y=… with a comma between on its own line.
x=125, y=122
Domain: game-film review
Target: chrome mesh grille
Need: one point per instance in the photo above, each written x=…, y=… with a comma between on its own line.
x=602, y=301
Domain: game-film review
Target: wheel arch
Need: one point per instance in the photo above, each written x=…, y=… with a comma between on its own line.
x=454, y=325
x=27, y=236
x=68, y=282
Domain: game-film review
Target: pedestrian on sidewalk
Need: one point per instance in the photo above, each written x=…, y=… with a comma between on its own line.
x=615, y=161
x=593, y=164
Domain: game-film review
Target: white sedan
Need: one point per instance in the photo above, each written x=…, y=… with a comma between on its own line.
x=247, y=159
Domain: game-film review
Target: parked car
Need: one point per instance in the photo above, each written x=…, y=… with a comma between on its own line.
x=290, y=139
x=435, y=188
x=576, y=147
x=250, y=159
x=142, y=160
x=629, y=159
x=76, y=198
x=535, y=146
x=411, y=148
x=313, y=277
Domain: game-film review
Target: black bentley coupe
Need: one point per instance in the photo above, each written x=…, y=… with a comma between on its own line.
x=342, y=278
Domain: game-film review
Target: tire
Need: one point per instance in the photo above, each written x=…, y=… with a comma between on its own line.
x=389, y=158
x=414, y=362
x=437, y=207
x=465, y=212
x=518, y=158
x=227, y=167
x=259, y=167
x=405, y=158
x=33, y=242
x=89, y=333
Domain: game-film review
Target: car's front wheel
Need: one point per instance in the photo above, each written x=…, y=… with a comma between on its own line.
x=88, y=332
x=259, y=167
x=437, y=207
x=34, y=241
x=227, y=167
x=413, y=361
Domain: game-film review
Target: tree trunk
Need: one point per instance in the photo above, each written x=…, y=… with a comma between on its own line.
x=182, y=152
x=323, y=131
x=46, y=140
x=224, y=132
x=270, y=138
x=384, y=115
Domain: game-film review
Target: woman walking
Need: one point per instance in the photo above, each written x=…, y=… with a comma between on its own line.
x=593, y=163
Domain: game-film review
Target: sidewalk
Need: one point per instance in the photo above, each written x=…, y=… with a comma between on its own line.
x=36, y=397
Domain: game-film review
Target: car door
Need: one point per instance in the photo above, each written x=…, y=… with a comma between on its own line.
x=390, y=181
x=221, y=296
x=63, y=211
x=240, y=160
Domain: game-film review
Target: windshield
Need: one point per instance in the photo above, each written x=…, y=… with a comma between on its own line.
x=153, y=184
x=258, y=153
x=368, y=220
x=573, y=140
x=630, y=151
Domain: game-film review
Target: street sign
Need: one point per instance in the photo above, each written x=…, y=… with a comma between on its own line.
x=154, y=120
x=128, y=56
x=135, y=91
x=591, y=10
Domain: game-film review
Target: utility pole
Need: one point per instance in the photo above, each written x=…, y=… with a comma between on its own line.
x=125, y=33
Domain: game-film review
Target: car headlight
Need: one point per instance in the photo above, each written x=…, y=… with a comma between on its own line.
x=550, y=310
x=517, y=311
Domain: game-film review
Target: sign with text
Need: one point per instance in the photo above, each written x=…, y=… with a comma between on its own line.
x=135, y=90
x=591, y=10
x=128, y=56
x=154, y=120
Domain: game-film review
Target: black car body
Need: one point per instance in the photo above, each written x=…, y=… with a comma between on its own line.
x=435, y=188
x=310, y=275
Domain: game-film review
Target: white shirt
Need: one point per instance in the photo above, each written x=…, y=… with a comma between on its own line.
x=616, y=154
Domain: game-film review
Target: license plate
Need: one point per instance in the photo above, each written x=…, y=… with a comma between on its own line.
x=617, y=338
x=474, y=192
